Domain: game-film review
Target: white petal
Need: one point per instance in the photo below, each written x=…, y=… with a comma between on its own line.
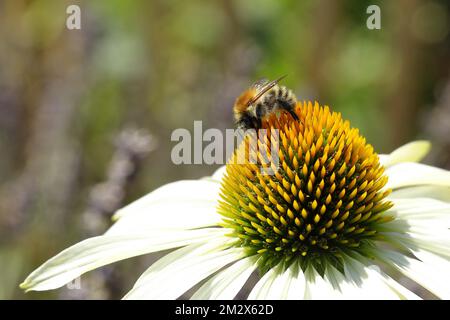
x=376, y=287
x=177, y=272
x=415, y=174
x=361, y=282
x=426, y=235
x=437, y=262
x=365, y=282
x=168, y=215
x=227, y=283
x=411, y=152
x=287, y=285
x=180, y=191
x=428, y=274
x=277, y=285
x=402, y=292
x=219, y=174
x=422, y=212
x=95, y=252
x=417, y=205
x=434, y=192
x=344, y=286
x=297, y=283
x=384, y=159
x=318, y=288
x=262, y=288
x=433, y=259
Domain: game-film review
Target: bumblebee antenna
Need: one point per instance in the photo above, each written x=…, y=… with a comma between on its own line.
x=266, y=88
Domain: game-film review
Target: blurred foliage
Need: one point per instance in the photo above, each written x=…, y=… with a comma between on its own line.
x=159, y=65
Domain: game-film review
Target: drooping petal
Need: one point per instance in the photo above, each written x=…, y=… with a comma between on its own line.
x=261, y=291
x=409, y=174
x=414, y=151
x=430, y=238
x=218, y=175
x=297, y=284
x=428, y=273
x=344, y=286
x=177, y=272
x=227, y=283
x=369, y=281
x=421, y=212
x=358, y=282
x=95, y=252
x=168, y=215
x=317, y=288
x=420, y=224
x=184, y=191
x=277, y=284
x=402, y=292
x=437, y=262
x=289, y=284
x=441, y=193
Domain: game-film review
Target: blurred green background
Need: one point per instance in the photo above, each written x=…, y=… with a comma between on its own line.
x=86, y=115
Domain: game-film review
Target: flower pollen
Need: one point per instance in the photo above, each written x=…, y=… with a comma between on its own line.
x=325, y=198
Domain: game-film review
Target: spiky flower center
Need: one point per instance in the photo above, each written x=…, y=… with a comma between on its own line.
x=325, y=198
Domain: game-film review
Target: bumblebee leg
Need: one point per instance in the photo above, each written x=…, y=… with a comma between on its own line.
x=258, y=123
x=293, y=114
x=288, y=107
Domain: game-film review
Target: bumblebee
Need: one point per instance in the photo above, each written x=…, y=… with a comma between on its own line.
x=262, y=99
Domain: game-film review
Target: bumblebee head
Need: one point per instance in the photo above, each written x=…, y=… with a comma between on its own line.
x=256, y=91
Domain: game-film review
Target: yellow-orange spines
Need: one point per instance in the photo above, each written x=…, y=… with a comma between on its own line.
x=325, y=197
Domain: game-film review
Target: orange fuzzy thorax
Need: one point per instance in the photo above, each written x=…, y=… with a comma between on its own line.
x=241, y=103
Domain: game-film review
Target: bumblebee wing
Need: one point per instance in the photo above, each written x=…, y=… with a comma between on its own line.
x=258, y=85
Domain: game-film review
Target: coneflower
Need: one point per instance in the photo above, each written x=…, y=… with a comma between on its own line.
x=333, y=221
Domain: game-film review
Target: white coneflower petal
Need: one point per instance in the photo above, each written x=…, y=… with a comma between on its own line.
x=297, y=284
x=277, y=284
x=289, y=285
x=369, y=281
x=438, y=262
x=344, y=288
x=416, y=174
x=218, y=175
x=414, y=151
x=358, y=283
x=317, y=288
x=168, y=215
x=428, y=191
x=180, y=191
x=95, y=252
x=182, y=269
x=347, y=289
x=402, y=292
x=425, y=274
x=430, y=239
x=418, y=205
x=262, y=289
x=423, y=212
x=436, y=220
x=425, y=224
x=281, y=286
x=227, y=283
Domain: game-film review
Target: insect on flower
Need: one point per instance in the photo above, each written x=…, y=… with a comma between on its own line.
x=261, y=100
